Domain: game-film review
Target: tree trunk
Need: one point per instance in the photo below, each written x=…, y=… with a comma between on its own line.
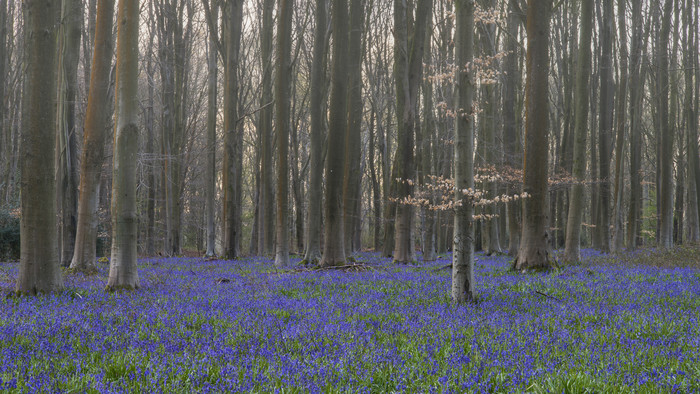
x=636, y=95
x=425, y=134
x=463, y=257
x=353, y=149
x=231, y=239
x=665, y=132
x=267, y=197
x=211, y=136
x=583, y=71
x=689, y=57
x=334, y=248
x=123, y=273
x=607, y=102
x=534, y=242
x=617, y=233
x=408, y=67
x=282, y=96
x=67, y=144
x=95, y=134
x=317, y=111
x=39, y=269
x=510, y=132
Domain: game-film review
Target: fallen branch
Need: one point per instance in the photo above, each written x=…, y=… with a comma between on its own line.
x=548, y=296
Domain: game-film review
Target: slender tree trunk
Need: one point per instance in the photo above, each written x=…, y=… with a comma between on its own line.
x=282, y=96
x=39, y=269
x=607, y=101
x=665, y=132
x=334, y=248
x=267, y=198
x=691, y=95
x=317, y=111
x=534, y=243
x=510, y=132
x=636, y=93
x=67, y=144
x=583, y=72
x=211, y=137
x=408, y=71
x=425, y=148
x=123, y=273
x=463, y=257
x=353, y=149
x=4, y=131
x=617, y=233
x=95, y=134
x=231, y=239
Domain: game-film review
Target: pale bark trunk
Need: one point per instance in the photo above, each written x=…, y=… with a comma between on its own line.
x=617, y=233
x=583, y=73
x=636, y=93
x=334, y=248
x=510, y=132
x=605, y=130
x=534, y=243
x=691, y=96
x=408, y=67
x=95, y=134
x=67, y=146
x=317, y=111
x=665, y=132
x=463, y=254
x=353, y=149
x=39, y=269
x=123, y=273
x=267, y=197
x=426, y=133
x=282, y=96
x=211, y=138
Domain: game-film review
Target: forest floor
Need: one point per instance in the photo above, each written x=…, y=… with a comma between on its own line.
x=628, y=323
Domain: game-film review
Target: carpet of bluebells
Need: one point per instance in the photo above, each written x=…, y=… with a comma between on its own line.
x=242, y=326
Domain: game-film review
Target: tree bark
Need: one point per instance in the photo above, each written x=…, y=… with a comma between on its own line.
x=94, y=136
x=534, y=242
x=510, y=133
x=636, y=93
x=231, y=209
x=267, y=197
x=123, y=273
x=618, y=229
x=665, y=131
x=334, y=238
x=353, y=150
x=39, y=269
x=605, y=130
x=463, y=254
x=211, y=136
x=317, y=111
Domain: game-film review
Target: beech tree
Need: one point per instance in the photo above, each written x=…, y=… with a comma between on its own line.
x=39, y=269
x=534, y=241
x=463, y=253
x=583, y=73
x=123, y=269
x=94, y=136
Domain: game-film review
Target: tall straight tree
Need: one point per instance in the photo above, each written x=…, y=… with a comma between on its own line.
x=605, y=129
x=635, y=104
x=39, y=269
x=408, y=68
x=572, y=251
x=621, y=114
x=266, y=226
x=231, y=210
x=211, y=133
x=67, y=141
x=463, y=253
x=283, y=86
x=352, y=182
x=534, y=242
x=317, y=113
x=510, y=131
x=334, y=247
x=665, y=131
x=691, y=102
x=94, y=136
x=489, y=108
x=123, y=272
x=425, y=137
